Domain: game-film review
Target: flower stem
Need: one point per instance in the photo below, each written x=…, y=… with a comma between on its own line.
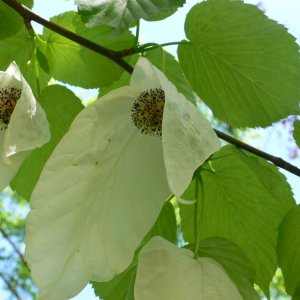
x=151, y=46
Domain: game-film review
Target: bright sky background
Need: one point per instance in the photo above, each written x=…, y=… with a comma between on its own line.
x=285, y=12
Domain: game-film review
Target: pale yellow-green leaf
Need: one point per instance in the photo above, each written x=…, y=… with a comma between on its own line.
x=167, y=272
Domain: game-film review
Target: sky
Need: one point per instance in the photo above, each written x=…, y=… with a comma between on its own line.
x=286, y=12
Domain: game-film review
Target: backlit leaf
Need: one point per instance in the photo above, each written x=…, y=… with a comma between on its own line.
x=245, y=199
x=245, y=66
x=122, y=14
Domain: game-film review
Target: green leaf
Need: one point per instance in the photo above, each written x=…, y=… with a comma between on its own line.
x=245, y=66
x=10, y=51
x=171, y=68
x=61, y=107
x=10, y=21
x=167, y=272
x=121, y=286
x=165, y=225
x=122, y=14
x=245, y=199
x=289, y=251
x=296, y=132
x=237, y=265
x=78, y=65
x=27, y=3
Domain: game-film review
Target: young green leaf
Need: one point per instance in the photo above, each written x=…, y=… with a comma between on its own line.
x=245, y=66
x=245, y=199
x=61, y=107
x=296, y=132
x=289, y=251
x=78, y=65
x=167, y=272
x=122, y=14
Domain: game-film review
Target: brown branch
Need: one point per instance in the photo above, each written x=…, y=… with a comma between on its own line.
x=10, y=286
x=115, y=56
x=279, y=162
x=6, y=236
x=29, y=15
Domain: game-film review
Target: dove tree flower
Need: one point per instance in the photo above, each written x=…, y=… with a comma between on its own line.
x=167, y=272
x=23, y=123
x=105, y=183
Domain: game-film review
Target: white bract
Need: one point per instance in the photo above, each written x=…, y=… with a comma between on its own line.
x=23, y=123
x=167, y=272
x=106, y=182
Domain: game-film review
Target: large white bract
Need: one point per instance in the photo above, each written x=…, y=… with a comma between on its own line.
x=106, y=182
x=167, y=272
x=23, y=123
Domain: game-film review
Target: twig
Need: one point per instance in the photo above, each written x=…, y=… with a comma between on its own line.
x=29, y=15
x=10, y=286
x=116, y=56
x=6, y=236
x=279, y=162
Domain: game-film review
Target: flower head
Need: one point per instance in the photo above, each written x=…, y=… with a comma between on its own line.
x=104, y=185
x=23, y=123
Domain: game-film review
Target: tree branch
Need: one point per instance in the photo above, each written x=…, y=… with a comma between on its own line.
x=29, y=15
x=10, y=286
x=6, y=236
x=115, y=56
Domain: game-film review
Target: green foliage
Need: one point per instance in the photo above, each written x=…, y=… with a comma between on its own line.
x=98, y=188
x=121, y=14
x=242, y=64
x=234, y=261
x=289, y=251
x=11, y=22
x=61, y=107
x=296, y=132
x=77, y=65
x=244, y=202
x=171, y=68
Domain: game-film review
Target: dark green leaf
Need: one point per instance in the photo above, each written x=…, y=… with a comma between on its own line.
x=77, y=65
x=245, y=66
x=121, y=14
x=289, y=251
x=121, y=287
x=10, y=21
x=296, y=132
x=165, y=225
x=171, y=68
x=234, y=261
x=61, y=107
x=245, y=199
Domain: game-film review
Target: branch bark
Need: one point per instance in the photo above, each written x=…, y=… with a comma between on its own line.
x=13, y=245
x=10, y=286
x=117, y=57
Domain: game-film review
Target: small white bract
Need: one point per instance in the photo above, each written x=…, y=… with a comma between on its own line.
x=106, y=182
x=23, y=123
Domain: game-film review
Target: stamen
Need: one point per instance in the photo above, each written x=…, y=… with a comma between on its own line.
x=8, y=100
x=147, y=111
